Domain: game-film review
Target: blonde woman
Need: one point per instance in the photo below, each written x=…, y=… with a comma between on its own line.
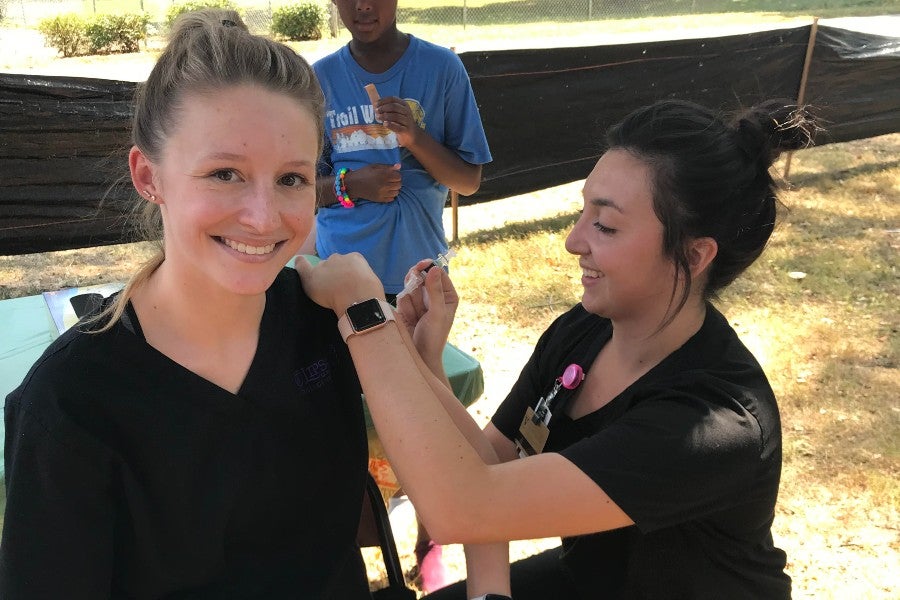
x=175, y=445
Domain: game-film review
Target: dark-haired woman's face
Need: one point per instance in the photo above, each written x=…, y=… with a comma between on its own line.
x=618, y=241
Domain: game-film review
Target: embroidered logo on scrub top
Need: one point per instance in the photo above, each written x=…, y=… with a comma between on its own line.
x=312, y=377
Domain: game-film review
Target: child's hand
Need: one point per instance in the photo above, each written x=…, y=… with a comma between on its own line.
x=377, y=183
x=396, y=115
x=339, y=281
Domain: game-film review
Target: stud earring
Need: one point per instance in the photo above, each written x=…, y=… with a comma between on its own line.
x=150, y=196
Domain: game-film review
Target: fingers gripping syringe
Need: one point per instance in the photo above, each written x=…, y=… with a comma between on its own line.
x=418, y=278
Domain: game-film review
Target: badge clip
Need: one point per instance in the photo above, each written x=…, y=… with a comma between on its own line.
x=534, y=429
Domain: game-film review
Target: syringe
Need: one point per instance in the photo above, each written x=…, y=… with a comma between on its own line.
x=418, y=278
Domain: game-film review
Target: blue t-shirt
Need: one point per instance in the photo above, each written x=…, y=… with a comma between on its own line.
x=395, y=235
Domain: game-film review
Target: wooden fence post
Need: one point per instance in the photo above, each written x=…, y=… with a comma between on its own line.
x=454, y=213
x=801, y=93
x=333, y=24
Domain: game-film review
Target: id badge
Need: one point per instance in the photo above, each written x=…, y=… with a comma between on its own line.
x=532, y=436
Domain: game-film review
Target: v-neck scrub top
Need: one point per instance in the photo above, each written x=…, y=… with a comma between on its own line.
x=129, y=476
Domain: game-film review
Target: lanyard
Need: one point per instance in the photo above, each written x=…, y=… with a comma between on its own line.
x=535, y=427
x=570, y=379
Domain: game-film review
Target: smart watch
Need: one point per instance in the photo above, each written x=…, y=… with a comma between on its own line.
x=367, y=315
x=492, y=597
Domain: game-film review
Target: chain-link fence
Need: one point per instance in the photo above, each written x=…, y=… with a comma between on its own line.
x=464, y=13
x=446, y=21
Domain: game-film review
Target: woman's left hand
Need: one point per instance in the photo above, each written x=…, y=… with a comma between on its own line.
x=339, y=281
x=429, y=310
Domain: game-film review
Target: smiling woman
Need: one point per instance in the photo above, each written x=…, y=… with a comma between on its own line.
x=662, y=464
x=157, y=446
x=233, y=181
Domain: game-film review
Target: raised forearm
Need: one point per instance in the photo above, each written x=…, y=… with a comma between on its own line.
x=424, y=439
x=325, y=196
x=445, y=165
x=487, y=565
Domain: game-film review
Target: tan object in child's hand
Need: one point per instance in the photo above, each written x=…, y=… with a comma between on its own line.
x=373, y=93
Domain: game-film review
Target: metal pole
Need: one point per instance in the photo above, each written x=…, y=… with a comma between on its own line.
x=465, y=14
x=801, y=93
x=590, y=10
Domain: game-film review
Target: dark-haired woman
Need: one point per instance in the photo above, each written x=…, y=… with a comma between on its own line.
x=641, y=430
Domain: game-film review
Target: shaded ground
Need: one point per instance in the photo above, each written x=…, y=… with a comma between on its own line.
x=840, y=543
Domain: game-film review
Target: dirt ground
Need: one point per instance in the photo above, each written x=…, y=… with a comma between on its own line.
x=21, y=50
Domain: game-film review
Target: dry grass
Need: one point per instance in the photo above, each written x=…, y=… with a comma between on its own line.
x=829, y=343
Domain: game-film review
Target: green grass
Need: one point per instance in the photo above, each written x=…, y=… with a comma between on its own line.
x=487, y=12
x=830, y=343
x=493, y=12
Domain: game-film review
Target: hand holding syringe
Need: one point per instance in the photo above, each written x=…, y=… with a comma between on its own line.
x=416, y=279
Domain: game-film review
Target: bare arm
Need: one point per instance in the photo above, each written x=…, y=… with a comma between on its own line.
x=446, y=166
x=504, y=447
x=375, y=183
x=441, y=162
x=471, y=501
x=325, y=196
x=487, y=565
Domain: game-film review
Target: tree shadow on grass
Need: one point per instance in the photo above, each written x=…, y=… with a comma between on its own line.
x=823, y=177
x=519, y=230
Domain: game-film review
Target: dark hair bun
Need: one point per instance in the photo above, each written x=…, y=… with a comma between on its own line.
x=766, y=130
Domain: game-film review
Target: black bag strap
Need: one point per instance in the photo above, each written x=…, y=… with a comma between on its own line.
x=396, y=588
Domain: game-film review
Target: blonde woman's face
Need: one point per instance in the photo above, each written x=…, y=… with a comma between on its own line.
x=237, y=186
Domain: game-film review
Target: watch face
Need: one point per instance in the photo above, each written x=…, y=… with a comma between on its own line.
x=365, y=315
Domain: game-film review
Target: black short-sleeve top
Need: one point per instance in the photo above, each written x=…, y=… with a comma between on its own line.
x=129, y=476
x=691, y=452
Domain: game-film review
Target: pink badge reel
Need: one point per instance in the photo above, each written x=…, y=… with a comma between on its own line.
x=572, y=377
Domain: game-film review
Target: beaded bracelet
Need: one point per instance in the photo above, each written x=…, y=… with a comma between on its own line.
x=340, y=188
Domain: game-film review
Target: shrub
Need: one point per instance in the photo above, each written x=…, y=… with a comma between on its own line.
x=177, y=9
x=299, y=21
x=102, y=34
x=66, y=33
x=116, y=33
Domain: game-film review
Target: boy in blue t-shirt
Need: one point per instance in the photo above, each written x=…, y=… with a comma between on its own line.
x=388, y=162
x=400, y=154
